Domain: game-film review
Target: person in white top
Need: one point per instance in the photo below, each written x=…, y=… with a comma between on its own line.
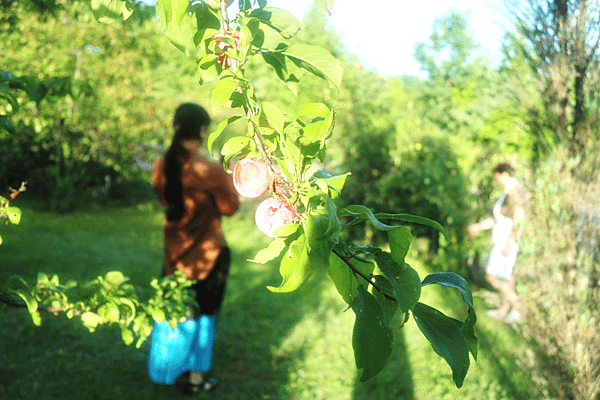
x=510, y=211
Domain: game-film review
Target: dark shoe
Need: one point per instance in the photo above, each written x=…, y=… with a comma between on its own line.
x=205, y=386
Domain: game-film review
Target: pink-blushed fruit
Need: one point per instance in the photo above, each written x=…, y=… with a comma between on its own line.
x=223, y=46
x=251, y=178
x=273, y=213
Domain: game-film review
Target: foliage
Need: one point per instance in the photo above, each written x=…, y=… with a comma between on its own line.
x=563, y=48
x=92, y=116
x=107, y=300
x=562, y=280
x=377, y=284
x=425, y=177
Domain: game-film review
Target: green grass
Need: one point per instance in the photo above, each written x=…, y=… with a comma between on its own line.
x=269, y=346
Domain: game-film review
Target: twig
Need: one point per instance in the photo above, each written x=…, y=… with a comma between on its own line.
x=365, y=277
x=261, y=146
x=15, y=192
x=224, y=5
x=7, y=299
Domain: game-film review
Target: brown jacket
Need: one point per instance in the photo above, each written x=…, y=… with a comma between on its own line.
x=193, y=243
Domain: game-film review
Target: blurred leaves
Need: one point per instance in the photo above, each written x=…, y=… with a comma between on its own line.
x=109, y=299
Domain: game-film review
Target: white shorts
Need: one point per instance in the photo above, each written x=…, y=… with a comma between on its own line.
x=502, y=266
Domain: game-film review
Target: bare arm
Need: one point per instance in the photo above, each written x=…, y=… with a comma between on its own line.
x=483, y=225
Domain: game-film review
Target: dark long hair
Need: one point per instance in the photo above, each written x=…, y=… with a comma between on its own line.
x=504, y=167
x=188, y=120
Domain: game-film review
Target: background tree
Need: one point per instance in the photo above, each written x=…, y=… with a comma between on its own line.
x=103, y=107
x=559, y=42
x=562, y=41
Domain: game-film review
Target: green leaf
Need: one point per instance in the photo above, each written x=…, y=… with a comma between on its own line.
x=468, y=331
x=127, y=336
x=249, y=28
x=285, y=69
x=235, y=145
x=214, y=135
x=334, y=183
x=222, y=92
x=453, y=280
x=325, y=6
x=316, y=60
x=91, y=320
x=179, y=25
x=363, y=213
x=13, y=214
x=286, y=230
x=414, y=219
x=291, y=154
x=158, y=315
x=173, y=10
x=107, y=11
x=344, y=280
x=313, y=110
x=129, y=303
x=116, y=278
x=319, y=130
x=322, y=231
x=207, y=71
x=295, y=267
x=208, y=25
x=282, y=21
x=110, y=312
x=400, y=239
x=372, y=338
x=272, y=251
x=404, y=279
x=32, y=304
x=398, y=236
x=390, y=307
x=6, y=95
x=446, y=338
x=7, y=125
x=275, y=117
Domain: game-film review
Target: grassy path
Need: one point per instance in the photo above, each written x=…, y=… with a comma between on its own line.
x=270, y=346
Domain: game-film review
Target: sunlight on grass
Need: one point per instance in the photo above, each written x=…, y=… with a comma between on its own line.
x=270, y=346
x=320, y=345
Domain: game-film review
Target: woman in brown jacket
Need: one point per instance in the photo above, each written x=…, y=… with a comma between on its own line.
x=196, y=193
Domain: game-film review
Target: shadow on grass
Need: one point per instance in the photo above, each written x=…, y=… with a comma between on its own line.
x=501, y=348
x=250, y=356
x=395, y=381
x=61, y=359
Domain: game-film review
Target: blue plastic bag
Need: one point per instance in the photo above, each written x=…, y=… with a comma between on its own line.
x=189, y=347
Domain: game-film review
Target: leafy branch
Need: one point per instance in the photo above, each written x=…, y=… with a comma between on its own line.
x=106, y=300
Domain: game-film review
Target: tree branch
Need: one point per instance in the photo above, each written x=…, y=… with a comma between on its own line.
x=7, y=299
x=365, y=277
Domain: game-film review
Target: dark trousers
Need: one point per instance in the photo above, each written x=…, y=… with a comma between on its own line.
x=210, y=291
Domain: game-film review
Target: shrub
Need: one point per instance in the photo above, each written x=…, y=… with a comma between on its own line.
x=560, y=278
